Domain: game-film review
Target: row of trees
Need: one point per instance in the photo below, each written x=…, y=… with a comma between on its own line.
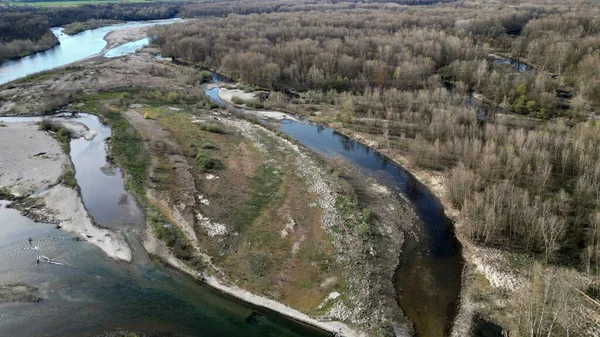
x=316, y=51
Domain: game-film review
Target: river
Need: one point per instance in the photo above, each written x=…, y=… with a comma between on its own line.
x=92, y=293
x=72, y=48
x=89, y=293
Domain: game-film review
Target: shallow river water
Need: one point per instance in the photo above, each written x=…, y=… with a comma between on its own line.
x=72, y=48
x=89, y=293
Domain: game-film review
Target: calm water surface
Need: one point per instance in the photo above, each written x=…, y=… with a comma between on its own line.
x=71, y=49
x=127, y=48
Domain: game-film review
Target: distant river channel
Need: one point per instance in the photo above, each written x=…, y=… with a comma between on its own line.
x=72, y=48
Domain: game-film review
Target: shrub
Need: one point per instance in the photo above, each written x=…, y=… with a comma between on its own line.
x=172, y=97
x=255, y=104
x=367, y=214
x=237, y=100
x=68, y=177
x=214, y=128
x=60, y=133
x=207, y=163
x=205, y=76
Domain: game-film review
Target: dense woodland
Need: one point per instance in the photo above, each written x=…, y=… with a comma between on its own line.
x=523, y=164
x=24, y=30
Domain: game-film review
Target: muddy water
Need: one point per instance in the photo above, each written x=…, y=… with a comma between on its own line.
x=428, y=278
x=88, y=293
x=71, y=49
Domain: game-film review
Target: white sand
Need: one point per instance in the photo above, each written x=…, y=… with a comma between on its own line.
x=72, y=216
x=25, y=172
x=227, y=95
x=20, y=170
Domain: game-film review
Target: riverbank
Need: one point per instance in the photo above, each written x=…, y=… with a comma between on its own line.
x=36, y=176
x=492, y=278
x=47, y=42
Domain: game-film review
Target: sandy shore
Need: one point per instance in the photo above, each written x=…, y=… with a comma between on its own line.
x=35, y=170
x=121, y=36
x=227, y=95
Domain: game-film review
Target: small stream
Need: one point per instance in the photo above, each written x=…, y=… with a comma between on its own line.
x=428, y=278
x=514, y=63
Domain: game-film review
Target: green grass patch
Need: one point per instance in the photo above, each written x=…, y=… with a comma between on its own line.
x=265, y=185
x=213, y=127
x=260, y=264
x=354, y=217
x=127, y=149
x=207, y=163
x=68, y=177
x=208, y=146
x=173, y=237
